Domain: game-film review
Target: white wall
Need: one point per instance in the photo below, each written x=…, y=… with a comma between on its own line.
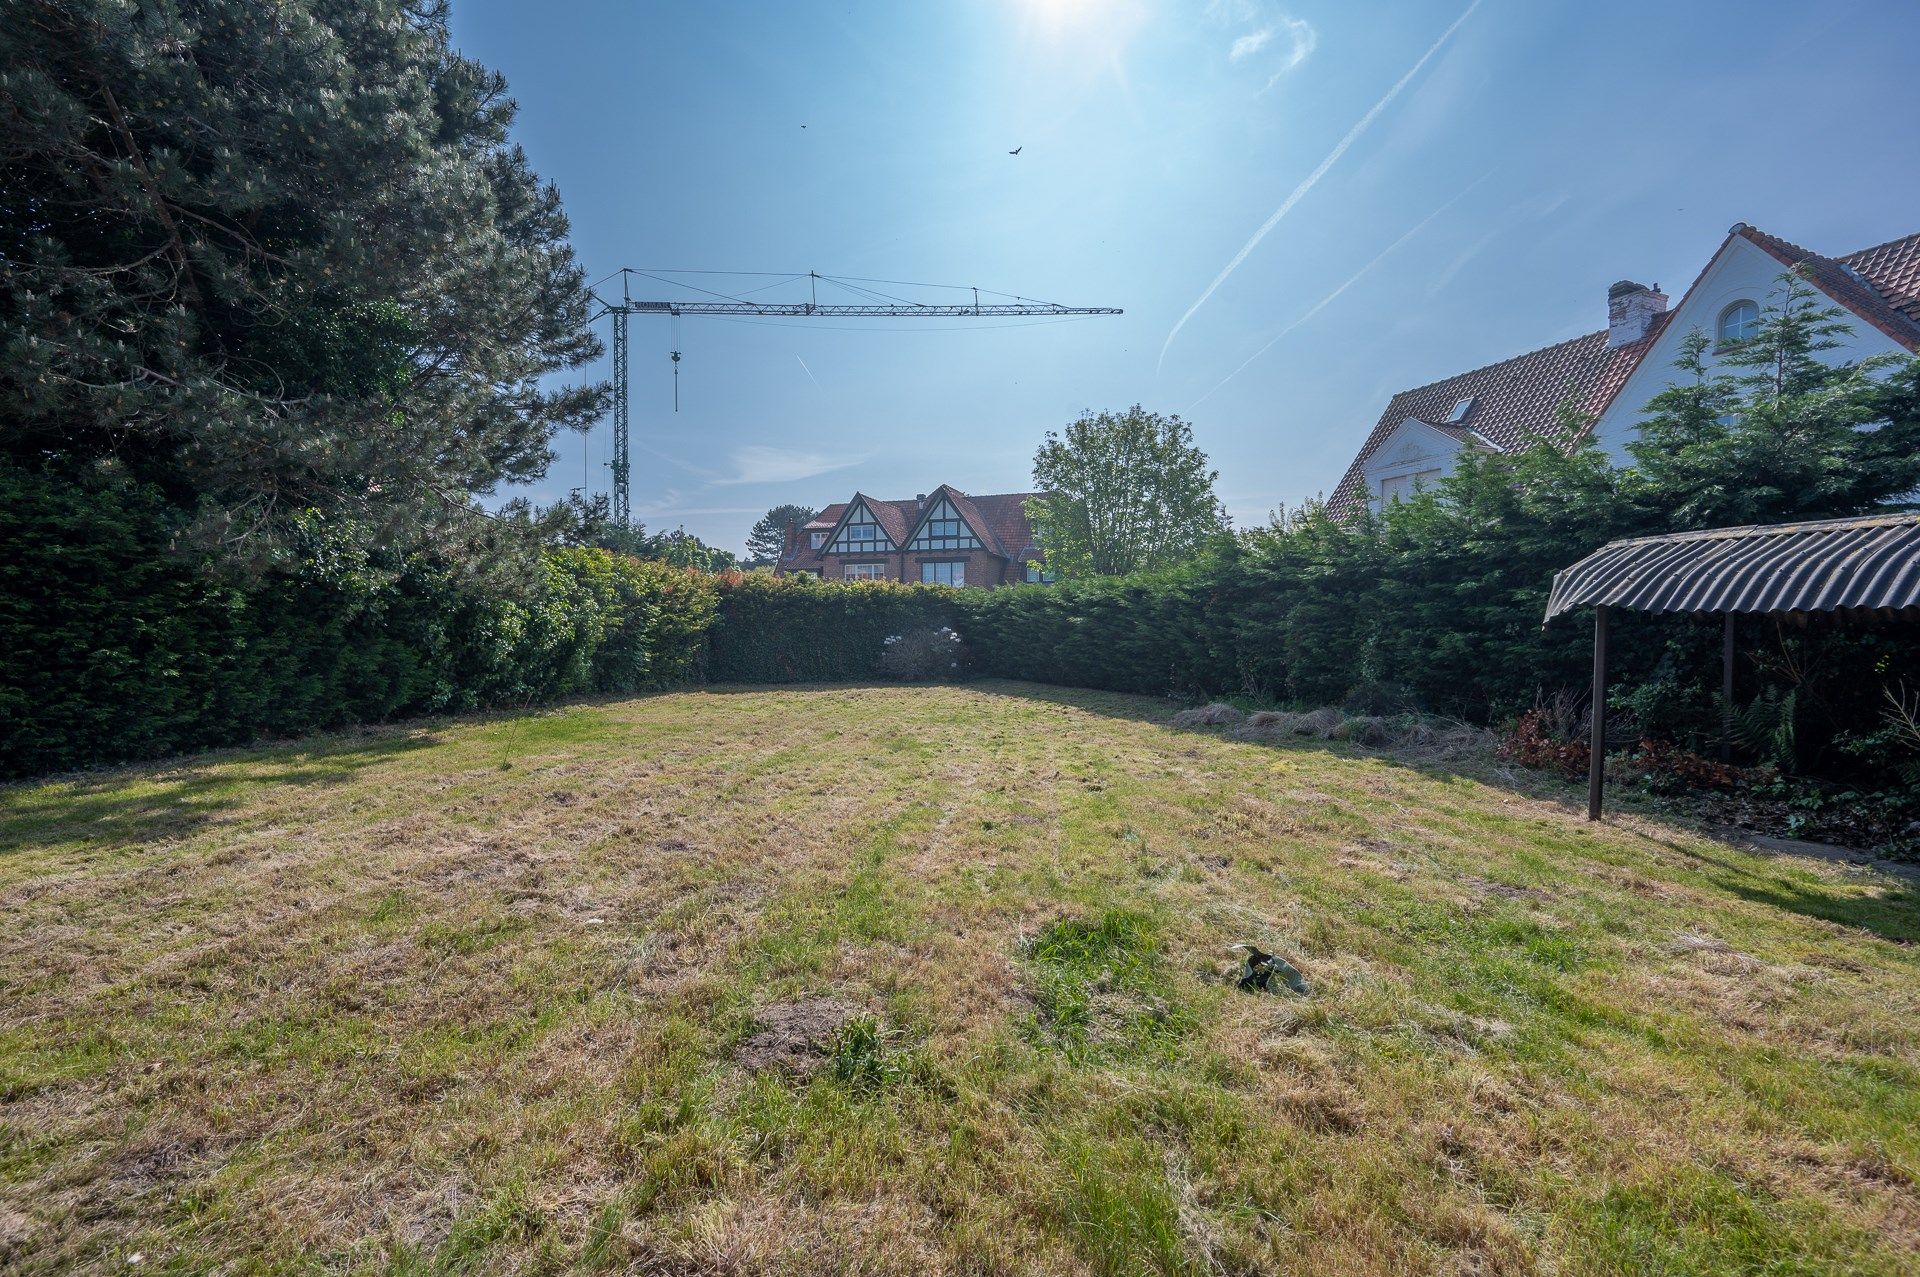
x=1742, y=271
x=1414, y=448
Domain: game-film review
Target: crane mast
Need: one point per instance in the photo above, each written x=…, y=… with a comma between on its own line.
x=627, y=306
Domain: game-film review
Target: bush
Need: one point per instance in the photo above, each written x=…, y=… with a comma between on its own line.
x=118, y=648
x=1535, y=742
x=795, y=629
x=924, y=656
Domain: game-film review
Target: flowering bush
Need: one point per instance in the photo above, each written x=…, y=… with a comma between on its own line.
x=924, y=656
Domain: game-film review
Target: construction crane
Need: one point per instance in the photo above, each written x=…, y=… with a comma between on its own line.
x=722, y=304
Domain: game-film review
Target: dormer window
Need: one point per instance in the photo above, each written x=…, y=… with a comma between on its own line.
x=1460, y=411
x=818, y=539
x=944, y=530
x=1738, y=322
x=861, y=534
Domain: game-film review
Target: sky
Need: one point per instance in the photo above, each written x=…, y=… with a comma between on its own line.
x=1302, y=208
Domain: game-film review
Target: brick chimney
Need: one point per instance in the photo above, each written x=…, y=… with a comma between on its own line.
x=1631, y=309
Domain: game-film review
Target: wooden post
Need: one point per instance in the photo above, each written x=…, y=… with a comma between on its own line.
x=1726, y=691
x=1597, y=740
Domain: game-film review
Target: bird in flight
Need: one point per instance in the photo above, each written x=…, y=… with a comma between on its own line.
x=1016, y=150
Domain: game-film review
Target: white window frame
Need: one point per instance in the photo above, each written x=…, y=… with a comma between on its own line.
x=944, y=529
x=1749, y=324
x=818, y=539
x=863, y=572
x=930, y=572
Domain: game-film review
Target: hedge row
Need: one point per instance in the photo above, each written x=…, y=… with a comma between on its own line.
x=117, y=648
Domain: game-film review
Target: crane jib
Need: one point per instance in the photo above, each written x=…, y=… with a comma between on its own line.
x=620, y=310
x=811, y=310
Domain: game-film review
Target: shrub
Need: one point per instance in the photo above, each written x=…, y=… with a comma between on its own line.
x=118, y=648
x=924, y=656
x=794, y=629
x=1535, y=742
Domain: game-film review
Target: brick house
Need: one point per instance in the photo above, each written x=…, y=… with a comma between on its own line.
x=943, y=537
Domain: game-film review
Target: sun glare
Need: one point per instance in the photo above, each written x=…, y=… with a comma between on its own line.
x=1056, y=16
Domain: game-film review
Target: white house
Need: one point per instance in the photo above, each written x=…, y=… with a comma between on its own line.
x=1610, y=375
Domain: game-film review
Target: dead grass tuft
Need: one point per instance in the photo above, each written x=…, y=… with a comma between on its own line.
x=1218, y=714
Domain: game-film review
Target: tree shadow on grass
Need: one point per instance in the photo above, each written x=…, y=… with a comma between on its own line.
x=1891, y=912
x=1780, y=879
x=153, y=802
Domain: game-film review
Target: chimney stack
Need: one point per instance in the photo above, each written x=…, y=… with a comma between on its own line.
x=1631, y=310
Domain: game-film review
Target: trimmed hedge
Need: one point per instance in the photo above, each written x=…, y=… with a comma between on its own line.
x=801, y=630
x=117, y=648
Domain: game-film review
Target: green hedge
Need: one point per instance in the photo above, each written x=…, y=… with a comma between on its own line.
x=801, y=630
x=118, y=647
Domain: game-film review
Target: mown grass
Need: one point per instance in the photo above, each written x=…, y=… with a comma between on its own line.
x=380, y=1004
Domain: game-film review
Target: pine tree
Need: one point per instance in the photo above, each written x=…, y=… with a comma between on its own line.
x=277, y=259
x=769, y=534
x=1773, y=434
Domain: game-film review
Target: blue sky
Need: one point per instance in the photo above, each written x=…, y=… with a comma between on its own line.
x=1538, y=153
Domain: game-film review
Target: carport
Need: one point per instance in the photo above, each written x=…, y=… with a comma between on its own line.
x=1867, y=566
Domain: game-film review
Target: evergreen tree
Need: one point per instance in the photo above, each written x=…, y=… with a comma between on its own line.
x=276, y=259
x=1772, y=434
x=769, y=535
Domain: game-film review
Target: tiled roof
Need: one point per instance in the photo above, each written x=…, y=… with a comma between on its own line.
x=1893, y=269
x=1853, y=285
x=1512, y=400
x=1522, y=395
x=999, y=520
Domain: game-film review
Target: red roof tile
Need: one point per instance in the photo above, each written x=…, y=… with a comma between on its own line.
x=1854, y=286
x=1893, y=269
x=999, y=520
x=1512, y=400
x=1522, y=395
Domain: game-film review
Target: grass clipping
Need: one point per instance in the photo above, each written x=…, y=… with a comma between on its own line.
x=1421, y=737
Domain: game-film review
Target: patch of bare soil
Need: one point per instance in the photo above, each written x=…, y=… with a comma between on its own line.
x=1505, y=890
x=795, y=1037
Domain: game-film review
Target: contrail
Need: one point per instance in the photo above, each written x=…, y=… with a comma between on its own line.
x=1353, y=279
x=1312, y=178
x=808, y=371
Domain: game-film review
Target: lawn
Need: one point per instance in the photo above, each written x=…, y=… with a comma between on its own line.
x=909, y=980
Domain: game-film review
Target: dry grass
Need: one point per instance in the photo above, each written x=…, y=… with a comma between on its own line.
x=484, y=997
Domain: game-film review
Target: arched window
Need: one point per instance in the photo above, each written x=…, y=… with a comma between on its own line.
x=1738, y=322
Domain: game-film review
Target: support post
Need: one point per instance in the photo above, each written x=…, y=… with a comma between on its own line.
x=1597, y=739
x=1726, y=691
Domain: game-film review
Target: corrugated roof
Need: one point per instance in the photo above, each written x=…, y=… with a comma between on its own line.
x=1828, y=565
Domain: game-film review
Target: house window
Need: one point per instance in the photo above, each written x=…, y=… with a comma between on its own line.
x=1739, y=322
x=861, y=534
x=863, y=572
x=1038, y=575
x=944, y=530
x=819, y=539
x=943, y=573
x=1460, y=411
